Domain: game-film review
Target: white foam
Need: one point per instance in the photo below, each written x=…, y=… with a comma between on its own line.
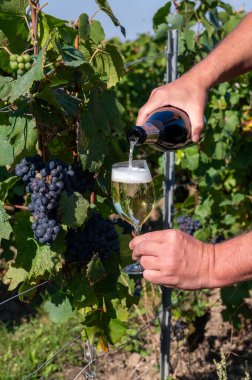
x=131, y=175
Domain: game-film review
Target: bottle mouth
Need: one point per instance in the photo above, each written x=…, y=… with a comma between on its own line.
x=136, y=134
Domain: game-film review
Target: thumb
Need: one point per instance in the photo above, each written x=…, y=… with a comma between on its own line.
x=197, y=123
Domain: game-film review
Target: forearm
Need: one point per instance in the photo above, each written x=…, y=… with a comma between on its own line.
x=231, y=58
x=232, y=261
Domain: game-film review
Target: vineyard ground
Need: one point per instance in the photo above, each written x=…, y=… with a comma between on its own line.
x=28, y=338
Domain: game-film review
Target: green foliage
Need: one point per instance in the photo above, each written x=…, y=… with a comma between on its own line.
x=62, y=105
x=216, y=174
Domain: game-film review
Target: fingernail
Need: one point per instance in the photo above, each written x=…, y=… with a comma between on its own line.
x=195, y=138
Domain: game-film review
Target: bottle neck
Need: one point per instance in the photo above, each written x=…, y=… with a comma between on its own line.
x=148, y=134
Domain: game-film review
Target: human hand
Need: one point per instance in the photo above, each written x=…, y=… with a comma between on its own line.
x=189, y=93
x=175, y=259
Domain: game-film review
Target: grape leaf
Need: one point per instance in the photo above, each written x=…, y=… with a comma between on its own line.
x=104, y=6
x=6, y=185
x=161, y=14
x=96, y=32
x=113, y=64
x=5, y=87
x=83, y=26
x=175, y=21
x=5, y=227
x=17, y=139
x=48, y=259
x=117, y=330
x=16, y=7
x=72, y=57
x=189, y=38
x=73, y=209
x=59, y=308
x=18, y=269
x=95, y=270
x=14, y=276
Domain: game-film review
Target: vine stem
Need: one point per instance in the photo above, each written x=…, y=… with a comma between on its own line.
x=13, y=207
x=30, y=49
x=77, y=38
x=6, y=49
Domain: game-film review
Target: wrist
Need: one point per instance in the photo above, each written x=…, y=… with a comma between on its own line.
x=208, y=267
x=207, y=73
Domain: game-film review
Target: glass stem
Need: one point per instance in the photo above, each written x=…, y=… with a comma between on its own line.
x=138, y=230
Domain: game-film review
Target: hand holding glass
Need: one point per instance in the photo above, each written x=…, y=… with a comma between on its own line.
x=133, y=196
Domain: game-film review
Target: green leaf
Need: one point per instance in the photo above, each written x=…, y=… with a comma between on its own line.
x=6, y=185
x=117, y=330
x=160, y=16
x=72, y=57
x=16, y=7
x=59, y=308
x=96, y=32
x=231, y=121
x=175, y=21
x=161, y=32
x=190, y=39
x=73, y=209
x=220, y=150
x=203, y=234
x=14, y=276
x=204, y=209
x=104, y=6
x=192, y=156
x=60, y=99
x=22, y=85
x=83, y=26
x=95, y=270
x=17, y=139
x=26, y=250
x=5, y=227
x=113, y=64
x=48, y=259
x=5, y=87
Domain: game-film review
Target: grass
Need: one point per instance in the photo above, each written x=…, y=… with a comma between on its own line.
x=26, y=346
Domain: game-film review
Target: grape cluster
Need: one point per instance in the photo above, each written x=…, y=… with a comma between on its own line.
x=188, y=225
x=45, y=182
x=20, y=63
x=97, y=237
x=28, y=167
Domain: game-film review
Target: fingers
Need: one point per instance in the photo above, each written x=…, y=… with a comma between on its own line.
x=150, y=263
x=197, y=123
x=157, y=236
x=147, y=248
x=152, y=104
x=154, y=277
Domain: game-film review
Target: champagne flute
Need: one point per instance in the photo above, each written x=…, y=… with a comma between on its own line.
x=133, y=195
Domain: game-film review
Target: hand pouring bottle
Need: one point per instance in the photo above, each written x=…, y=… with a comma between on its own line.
x=166, y=129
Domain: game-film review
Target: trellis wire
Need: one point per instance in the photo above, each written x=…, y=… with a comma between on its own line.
x=146, y=58
x=52, y=357
x=24, y=292
x=92, y=358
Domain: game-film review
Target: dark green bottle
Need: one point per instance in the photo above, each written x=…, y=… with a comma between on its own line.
x=166, y=129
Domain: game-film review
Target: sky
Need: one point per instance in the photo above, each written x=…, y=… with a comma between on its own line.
x=134, y=15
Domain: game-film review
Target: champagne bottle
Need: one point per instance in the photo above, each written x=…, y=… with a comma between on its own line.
x=166, y=129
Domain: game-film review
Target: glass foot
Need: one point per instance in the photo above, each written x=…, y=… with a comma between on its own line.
x=134, y=269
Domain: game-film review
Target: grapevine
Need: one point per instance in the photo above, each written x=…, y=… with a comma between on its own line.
x=20, y=64
x=97, y=237
x=188, y=225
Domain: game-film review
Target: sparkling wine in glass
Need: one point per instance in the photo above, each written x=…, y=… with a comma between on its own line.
x=133, y=195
